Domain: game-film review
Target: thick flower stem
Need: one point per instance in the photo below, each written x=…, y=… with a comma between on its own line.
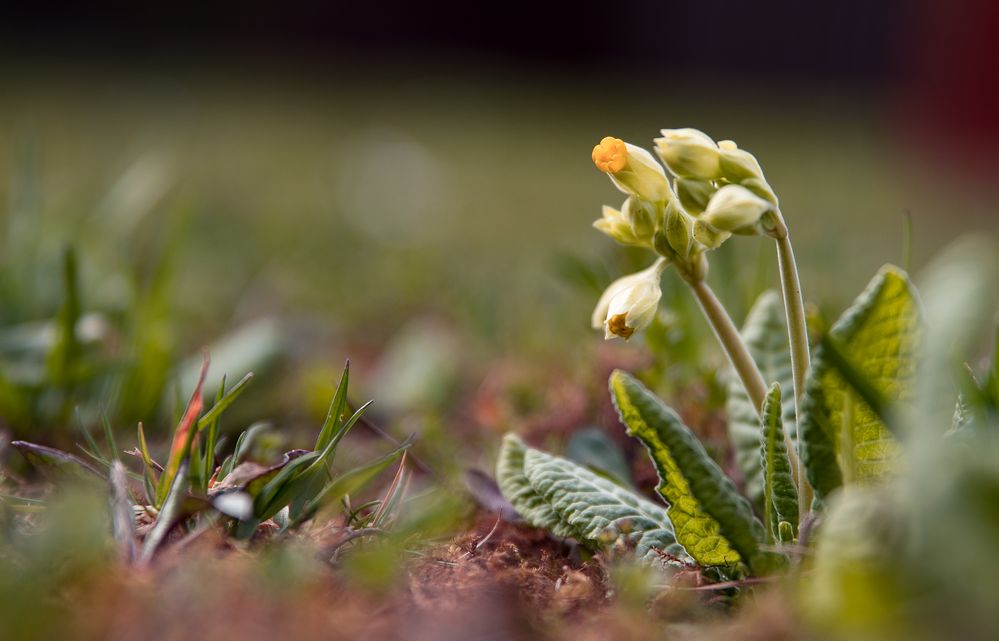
x=742, y=361
x=732, y=343
x=794, y=308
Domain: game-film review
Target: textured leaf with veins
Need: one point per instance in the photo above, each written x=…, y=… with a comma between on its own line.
x=517, y=489
x=780, y=495
x=713, y=522
x=599, y=509
x=879, y=335
x=569, y=500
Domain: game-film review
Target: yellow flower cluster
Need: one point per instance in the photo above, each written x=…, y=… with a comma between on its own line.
x=711, y=191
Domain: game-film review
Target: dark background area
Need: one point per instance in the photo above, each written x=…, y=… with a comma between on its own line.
x=936, y=60
x=853, y=40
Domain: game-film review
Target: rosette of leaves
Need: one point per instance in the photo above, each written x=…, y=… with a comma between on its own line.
x=862, y=367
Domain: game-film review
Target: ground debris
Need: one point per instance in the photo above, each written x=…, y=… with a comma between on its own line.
x=540, y=571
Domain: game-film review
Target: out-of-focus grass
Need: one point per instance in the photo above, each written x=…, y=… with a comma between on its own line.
x=355, y=200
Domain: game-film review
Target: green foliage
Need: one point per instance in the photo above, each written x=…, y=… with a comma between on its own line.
x=190, y=489
x=713, y=522
x=765, y=334
x=780, y=494
x=524, y=497
x=844, y=439
x=863, y=367
x=89, y=333
x=65, y=349
x=913, y=556
x=559, y=495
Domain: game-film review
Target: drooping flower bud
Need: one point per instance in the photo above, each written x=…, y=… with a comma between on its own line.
x=737, y=164
x=734, y=207
x=632, y=169
x=689, y=153
x=629, y=304
x=614, y=224
x=694, y=194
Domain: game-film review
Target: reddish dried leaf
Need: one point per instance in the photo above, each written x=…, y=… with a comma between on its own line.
x=184, y=435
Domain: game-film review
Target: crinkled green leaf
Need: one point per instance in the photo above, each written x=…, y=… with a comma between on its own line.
x=517, y=489
x=712, y=521
x=878, y=335
x=568, y=499
x=780, y=494
x=599, y=509
x=765, y=334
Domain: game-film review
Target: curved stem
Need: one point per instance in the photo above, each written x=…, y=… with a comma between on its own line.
x=797, y=330
x=732, y=342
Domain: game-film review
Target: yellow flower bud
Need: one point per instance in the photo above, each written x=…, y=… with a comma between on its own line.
x=629, y=305
x=694, y=194
x=614, y=224
x=734, y=207
x=737, y=164
x=632, y=169
x=689, y=153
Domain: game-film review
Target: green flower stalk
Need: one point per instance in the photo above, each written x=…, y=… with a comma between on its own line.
x=797, y=329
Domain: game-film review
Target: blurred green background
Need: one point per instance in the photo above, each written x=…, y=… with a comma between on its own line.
x=350, y=207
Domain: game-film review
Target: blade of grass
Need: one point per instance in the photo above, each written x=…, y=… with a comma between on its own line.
x=348, y=483
x=208, y=463
x=352, y=514
x=224, y=402
x=94, y=451
x=320, y=471
x=149, y=478
x=109, y=437
x=182, y=438
x=389, y=499
x=297, y=485
x=62, y=359
x=337, y=407
x=349, y=423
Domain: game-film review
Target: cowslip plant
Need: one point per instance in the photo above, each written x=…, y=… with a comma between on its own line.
x=790, y=433
x=716, y=190
x=194, y=489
